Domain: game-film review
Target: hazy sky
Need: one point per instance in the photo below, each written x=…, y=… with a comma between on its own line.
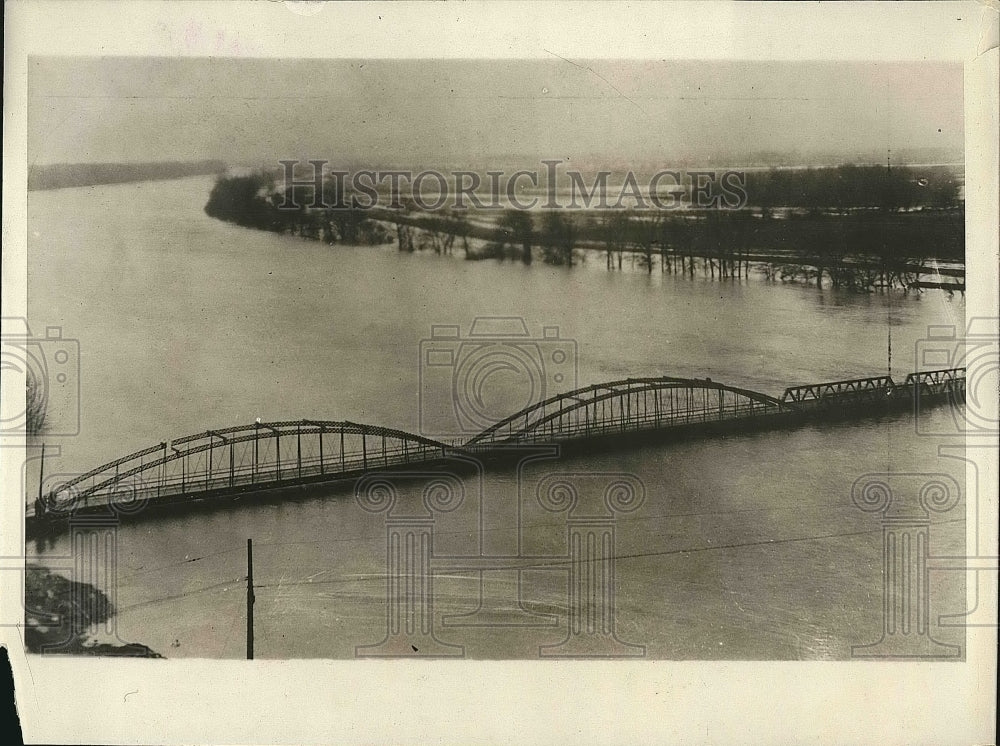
x=436, y=112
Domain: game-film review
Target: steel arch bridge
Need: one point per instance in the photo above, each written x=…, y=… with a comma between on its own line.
x=271, y=455
x=630, y=405
x=260, y=456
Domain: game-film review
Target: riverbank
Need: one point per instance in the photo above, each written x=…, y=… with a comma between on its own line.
x=58, y=612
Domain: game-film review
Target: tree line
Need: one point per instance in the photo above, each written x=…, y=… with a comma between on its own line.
x=853, y=187
x=251, y=201
x=859, y=249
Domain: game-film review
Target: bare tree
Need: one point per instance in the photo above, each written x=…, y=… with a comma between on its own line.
x=558, y=238
x=643, y=232
x=457, y=225
x=517, y=229
x=35, y=405
x=404, y=230
x=613, y=228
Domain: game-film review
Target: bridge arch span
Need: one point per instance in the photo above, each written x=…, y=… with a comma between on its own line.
x=630, y=404
x=255, y=456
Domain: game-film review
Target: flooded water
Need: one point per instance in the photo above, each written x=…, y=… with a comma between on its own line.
x=744, y=547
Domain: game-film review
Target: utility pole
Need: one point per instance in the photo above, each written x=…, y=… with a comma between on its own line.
x=39, y=505
x=885, y=250
x=250, y=599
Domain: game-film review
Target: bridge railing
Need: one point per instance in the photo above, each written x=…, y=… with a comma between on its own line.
x=645, y=423
x=946, y=377
x=135, y=488
x=628, y=405
x=872, y=387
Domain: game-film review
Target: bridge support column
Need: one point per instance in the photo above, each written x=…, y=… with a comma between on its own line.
x=592, y=500
x=905, y=550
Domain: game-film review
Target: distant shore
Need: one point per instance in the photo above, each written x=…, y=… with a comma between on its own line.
x=63, y=175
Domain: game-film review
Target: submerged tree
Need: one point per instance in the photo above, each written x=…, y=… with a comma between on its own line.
x=516, y=229
x=456, y=223
x=644, y=233
x=613, y=232
x=558, y=238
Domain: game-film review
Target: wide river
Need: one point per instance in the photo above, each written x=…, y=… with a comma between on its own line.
x=745, y=547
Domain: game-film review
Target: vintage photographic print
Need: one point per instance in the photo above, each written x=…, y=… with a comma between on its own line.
x=441, y=359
